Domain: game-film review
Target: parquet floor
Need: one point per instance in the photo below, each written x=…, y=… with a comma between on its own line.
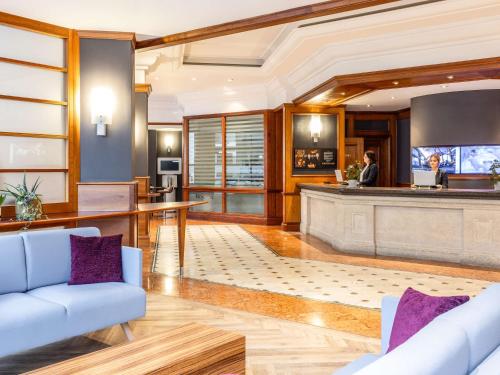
x=274, y=346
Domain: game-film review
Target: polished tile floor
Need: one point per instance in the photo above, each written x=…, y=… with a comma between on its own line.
x=228, y=254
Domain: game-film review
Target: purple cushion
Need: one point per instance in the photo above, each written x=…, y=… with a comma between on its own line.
x=96, y=259
x=416, y=310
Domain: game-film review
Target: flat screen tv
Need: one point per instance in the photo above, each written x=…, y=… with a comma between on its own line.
x=478, y=159
x=449, y=155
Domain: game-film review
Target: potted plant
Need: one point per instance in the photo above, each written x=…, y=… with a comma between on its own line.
x=495, y=176
x=353, y=172
x=2, y=199
x=28, y=203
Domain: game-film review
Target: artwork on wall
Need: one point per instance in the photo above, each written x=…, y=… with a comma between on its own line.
x=315, y=145
x=315, y=158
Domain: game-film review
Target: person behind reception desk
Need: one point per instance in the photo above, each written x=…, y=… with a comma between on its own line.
x=369, y=174
x=441, y=176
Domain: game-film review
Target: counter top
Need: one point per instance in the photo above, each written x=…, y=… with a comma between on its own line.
x=404, y=192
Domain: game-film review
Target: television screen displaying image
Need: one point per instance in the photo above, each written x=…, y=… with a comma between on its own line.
x=478, y=159
x=449, y=155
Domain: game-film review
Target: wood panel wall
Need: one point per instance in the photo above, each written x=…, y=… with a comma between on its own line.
x=291, y=194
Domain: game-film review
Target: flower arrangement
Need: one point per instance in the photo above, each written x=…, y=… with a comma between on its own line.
x=495, y=175
x=28, y=203
x=354, y=171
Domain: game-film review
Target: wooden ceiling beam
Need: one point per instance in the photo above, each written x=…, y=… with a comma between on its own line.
x=339, y=89
x=272, y=19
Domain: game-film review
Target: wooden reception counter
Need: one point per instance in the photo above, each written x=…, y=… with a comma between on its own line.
x=448, y=225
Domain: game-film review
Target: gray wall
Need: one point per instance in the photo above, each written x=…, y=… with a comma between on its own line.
x=108, y=63
x=456, y=118
x=152, y=158
x=141, y=134
x=404, y=152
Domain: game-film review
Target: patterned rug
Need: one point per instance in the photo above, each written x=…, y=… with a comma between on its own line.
x=228, y=254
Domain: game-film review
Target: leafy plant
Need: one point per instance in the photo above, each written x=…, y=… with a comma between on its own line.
x=2, y=199
x=22, y=193
x=354, y=171
x=495, y=167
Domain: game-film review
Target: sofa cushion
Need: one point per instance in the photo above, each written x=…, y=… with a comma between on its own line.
x=415, y=310
x=12, y=265
x=440, y=348
x=491, y=365
x=48, y=255
x=480, y=319
x=357, y=364
x=95, y=306
x=27, y=322
x=96, y=259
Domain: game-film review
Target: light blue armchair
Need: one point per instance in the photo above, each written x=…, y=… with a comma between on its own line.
x=464, y=340
x=38, y=307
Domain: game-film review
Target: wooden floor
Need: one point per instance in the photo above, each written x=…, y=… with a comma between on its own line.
x=278, y=341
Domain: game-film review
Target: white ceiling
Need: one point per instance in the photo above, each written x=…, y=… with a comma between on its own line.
x=396, y=99
x=148, y=17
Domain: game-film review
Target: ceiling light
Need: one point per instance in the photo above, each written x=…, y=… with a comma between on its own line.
x=193, y=79
x=395, y=83
x=444, y=86
x=230, y=79
x=450, y=77
x=368, y=105
x=393, y=97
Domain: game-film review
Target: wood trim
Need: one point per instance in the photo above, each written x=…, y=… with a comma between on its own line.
x=185, y=159
x=33, y=100
x=33, y=65
x=271, y=19
x=143, y=87
x=33, y=25
x=240, y=190
x=21, y=170
x=226, y=114
x=340, y=88
x=73, y=87
x=165, y=123
x=228, y=217
x=33, y=135
x=115, y=35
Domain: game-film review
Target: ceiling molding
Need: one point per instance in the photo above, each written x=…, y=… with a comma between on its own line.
x=258, y=22
x=33, y=25
x=116, y=35
x=345, y=87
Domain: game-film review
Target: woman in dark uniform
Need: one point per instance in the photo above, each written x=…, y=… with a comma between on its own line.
x=441, y=176
x=369, y=174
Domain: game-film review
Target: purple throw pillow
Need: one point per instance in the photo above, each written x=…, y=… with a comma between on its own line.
x=96, y=259
x=416, y=310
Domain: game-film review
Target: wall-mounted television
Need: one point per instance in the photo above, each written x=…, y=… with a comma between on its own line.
x=449, y=155
x=475, y=159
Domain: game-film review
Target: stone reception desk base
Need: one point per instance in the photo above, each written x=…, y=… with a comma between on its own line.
x=460, y=226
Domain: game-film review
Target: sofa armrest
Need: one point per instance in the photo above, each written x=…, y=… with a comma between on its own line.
x=389, y=307
x=132, y=265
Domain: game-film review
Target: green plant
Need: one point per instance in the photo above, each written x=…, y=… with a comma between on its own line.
x=22, y=193
x=353, y=171
x=2, y=199
x=495, y=167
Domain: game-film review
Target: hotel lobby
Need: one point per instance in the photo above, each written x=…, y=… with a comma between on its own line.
x=278, y=187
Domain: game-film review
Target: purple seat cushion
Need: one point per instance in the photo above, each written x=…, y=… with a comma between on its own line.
x=416, y=310
x=96, y=259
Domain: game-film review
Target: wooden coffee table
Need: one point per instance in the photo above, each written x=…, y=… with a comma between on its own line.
x=190, y=349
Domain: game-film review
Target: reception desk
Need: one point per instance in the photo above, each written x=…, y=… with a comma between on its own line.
x=449, y=225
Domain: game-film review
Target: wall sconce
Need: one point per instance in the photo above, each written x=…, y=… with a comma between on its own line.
x=102, y=103
x=169, y=142
x=315, y=127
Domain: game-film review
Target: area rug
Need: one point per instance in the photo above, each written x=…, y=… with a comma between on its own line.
x=228, y=254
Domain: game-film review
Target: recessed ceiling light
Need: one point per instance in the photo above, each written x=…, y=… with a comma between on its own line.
x=450, y=77
x=444, y=86
x=393, y=97
x=342, y=93
x=193, y=79
x=395, y=83
x=368, y=105
x=230, y=79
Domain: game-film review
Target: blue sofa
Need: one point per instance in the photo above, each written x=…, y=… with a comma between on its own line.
x=38, y=307
x=464, y=340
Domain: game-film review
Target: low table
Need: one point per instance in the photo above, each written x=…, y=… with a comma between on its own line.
x=190, y=349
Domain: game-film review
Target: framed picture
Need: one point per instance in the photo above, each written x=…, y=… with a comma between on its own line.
x=315, y=158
